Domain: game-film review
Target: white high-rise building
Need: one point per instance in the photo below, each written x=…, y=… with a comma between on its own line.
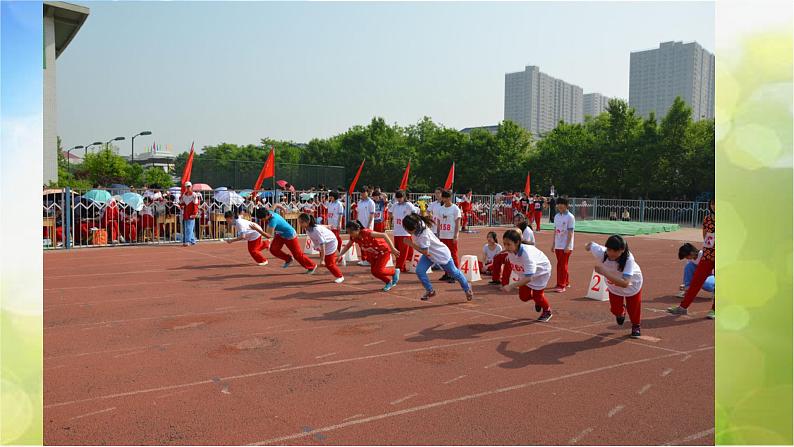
x=537, y=101
x=674, y=69
x=593, y=104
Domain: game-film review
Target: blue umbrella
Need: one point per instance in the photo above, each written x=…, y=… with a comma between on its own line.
x=221, y=188
x=267, y=194
x=245, y=193
x=98, y=195
x=133, y=200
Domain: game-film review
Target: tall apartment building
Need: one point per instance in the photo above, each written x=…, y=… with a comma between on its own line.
x=594, y=103
x=537, y=101
x=674, y=69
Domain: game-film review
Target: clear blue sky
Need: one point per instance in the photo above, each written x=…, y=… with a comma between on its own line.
x=237, y=72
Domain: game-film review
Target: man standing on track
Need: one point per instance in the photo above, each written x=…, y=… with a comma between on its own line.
x=189, y=202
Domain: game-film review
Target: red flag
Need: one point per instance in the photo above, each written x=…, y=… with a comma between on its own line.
x=355, y=179
x=404, y=182
x=450, y=177
x=268, y=170
x=526, y=187
x=188, y=168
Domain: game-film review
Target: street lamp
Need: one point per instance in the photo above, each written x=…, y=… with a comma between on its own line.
x=95, y=143
x=68, y=155
x=145, y=132
x=111, y=140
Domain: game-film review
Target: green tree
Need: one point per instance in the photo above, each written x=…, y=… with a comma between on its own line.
x=104, y=168
x=157, y=177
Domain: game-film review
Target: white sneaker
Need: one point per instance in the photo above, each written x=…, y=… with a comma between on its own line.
x=364, y=263
x=264, y=263
x=339, y=280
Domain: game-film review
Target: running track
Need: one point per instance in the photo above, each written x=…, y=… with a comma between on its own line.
x=173, y=345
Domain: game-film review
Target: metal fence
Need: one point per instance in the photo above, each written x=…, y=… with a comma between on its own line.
x=73, y=218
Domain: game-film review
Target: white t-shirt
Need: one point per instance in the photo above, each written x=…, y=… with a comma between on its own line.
x=398, y=212
x=531, y=262
x=335, y=212
x=528, y=235
x=365, y=209
x=446, y=217
x=439, y=253
x=489, y=254
x=322, y=236
x=631, y=271
x=433, y=208
x=147, y=210
x=188, y=198
x=563, y=223
x=244, y=230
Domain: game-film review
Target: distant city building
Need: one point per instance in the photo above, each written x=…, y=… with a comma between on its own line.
x=593, y=104
x=537, y=101
x=491, y=129
x=674, y=69
x=62, y=21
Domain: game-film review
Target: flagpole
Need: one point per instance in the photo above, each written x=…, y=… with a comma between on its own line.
x=274, y=176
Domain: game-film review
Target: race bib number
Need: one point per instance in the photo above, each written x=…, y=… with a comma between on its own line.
x=399, y=221
x=708, y=241
x=378, y=214
x=446, y=227
x=518, y=268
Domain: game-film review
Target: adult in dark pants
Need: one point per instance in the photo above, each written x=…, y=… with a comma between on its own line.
x=552, y=208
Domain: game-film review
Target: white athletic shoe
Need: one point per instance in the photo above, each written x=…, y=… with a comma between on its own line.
x=339, y=280
x=363, y=263
x=264, y=263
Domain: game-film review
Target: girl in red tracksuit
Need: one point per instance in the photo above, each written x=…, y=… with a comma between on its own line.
x=537, y=211
x=378, y=247
x=624, y=280
x=325, y=242
x=249, y=232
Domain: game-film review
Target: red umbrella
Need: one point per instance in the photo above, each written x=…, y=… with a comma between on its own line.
x=282, y=183
x=202, y=187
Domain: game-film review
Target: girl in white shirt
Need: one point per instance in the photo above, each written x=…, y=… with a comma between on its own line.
x=325, y=242
x=489, y=251
x=246, y=231
x=624, y=279
x=534, y=271
x=433, y=251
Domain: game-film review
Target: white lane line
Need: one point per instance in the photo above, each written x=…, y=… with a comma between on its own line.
x=403, y=399
x=581, y=435
x=352, y=417
x=554, y=339
x=374, y=343
x=299, y=435
x=129, y=353
x=644, y=389
x=691, y=437
x=667, y=371
x=325, y=355
x=615, y=410
x=453, y=380
x=95, y=412
x=171, y=394
x=307, y=366
x=686, y=357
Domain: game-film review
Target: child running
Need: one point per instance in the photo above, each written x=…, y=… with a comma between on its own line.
x=399, y=210
x=378, y=248
x=489, y=251
x=325, y=241
x=284, y=234
x=248, y=231
x=501, y=268
x=624, y=280
x=433, y=251
x=564, y=224
x=704, y=268
x=535, y=269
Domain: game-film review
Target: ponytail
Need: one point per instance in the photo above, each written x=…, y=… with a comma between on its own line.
x=616, y=242
x=353, y=225
x=309, y=219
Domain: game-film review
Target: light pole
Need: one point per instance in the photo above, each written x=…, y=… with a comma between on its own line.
x=95, y=143
x=111, y=140
x=145, y=132
x=69, y=154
